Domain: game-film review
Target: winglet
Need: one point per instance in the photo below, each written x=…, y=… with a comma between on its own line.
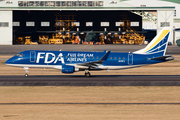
x=105, y=57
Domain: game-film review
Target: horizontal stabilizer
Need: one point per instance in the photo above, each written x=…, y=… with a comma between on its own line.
x=167, y=57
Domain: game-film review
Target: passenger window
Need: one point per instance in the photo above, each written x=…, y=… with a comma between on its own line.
x=70, y=56
x=92, y=57
x=115, y=58
x=119, y=57
x=110, y=57
x=78, y=56
x=96, y=57
x=88, y=57
x=123, y=57
x=66, y=56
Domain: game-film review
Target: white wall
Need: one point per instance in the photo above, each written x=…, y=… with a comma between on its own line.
x=165, y=16
x=6, y=32
x=13, y=4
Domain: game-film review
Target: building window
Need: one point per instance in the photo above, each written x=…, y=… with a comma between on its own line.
x=42, y=3
x=165, y=24
x=113, y=2
x=37, y=3
x=74, y=3
x=25, y=3
x=104, y=23
x=75, y=24
x=47, y=3
x=90, y=3
x=30, y=23
x=84, y=3
x=52, y=4
x=16, y=23
x=119, y=24
x=30, y=4
x=45, y=24
x=20, y=3
x=58, y=3
x=79, y=3
x=135, y=24
x=63, y=4
x=93, y=3
x=4, y=24
x=99, y=3
x=8, y=2
x=89, y=24
x=68, y=3
x=174, y=13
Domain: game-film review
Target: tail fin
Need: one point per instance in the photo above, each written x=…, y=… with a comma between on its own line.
x=158, y=45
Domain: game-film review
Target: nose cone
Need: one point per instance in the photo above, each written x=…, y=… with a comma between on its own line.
x=9, y=61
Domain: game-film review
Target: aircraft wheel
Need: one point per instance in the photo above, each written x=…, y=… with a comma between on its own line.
x=26, y=75
x=87, y=74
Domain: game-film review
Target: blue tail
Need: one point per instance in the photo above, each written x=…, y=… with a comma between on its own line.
x=158, y=45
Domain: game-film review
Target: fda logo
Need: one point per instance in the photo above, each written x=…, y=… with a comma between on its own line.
x=48, y=59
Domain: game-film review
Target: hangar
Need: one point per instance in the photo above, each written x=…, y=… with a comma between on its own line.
x=33, y=20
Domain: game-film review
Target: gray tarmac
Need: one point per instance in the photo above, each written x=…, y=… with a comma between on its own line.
x=14, y=49
x=96, y=80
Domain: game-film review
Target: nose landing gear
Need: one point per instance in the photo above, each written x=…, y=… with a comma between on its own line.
x=26, y=69
x=87, y=73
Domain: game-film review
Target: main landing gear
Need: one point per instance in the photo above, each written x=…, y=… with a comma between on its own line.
x=87, y=73
x=26, y=69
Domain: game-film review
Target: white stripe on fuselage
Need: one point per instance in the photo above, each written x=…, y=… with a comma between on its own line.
x=78, y=66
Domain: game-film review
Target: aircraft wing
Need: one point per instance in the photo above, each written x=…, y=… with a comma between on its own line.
x=95, y=63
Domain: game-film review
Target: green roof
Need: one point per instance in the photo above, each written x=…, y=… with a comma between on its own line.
x=173, y=1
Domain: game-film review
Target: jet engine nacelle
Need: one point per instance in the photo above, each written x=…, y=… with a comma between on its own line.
x=69, y=69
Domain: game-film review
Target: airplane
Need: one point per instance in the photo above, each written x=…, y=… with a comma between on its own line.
x=73, y=61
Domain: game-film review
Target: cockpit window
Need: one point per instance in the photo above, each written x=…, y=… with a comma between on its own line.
x=19, y=55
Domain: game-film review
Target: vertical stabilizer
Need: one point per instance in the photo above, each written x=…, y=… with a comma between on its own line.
x=158, y=45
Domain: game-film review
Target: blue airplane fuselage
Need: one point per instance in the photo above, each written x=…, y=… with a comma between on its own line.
x=66, y=57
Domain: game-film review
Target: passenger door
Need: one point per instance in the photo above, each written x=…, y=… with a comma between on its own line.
x=130, y=59
x=32, y=56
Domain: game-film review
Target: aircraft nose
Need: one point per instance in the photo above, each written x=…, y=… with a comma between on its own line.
x=9, y=61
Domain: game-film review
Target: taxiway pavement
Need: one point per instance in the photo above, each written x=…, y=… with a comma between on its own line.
x=96, y=80
x=14, y=49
